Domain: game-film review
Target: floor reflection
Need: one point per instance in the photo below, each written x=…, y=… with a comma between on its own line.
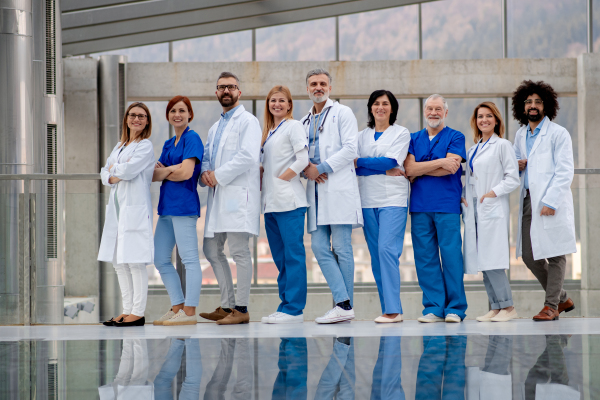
x=473, y=367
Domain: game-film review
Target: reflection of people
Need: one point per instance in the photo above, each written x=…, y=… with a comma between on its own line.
x=494, y=381
x=190, y=388
x=546, y=217
x=387, y=374
x=178, y=169
x=433, y=165
x=293, y=370
x=231, y=170
x=492, y=173
x=284, y=155
x=127, y=233
x=332, y=192
x=382, y=148
x=339, y=377
x=131, y=381
x=548, y=378
x=217, y=386
x=441, y=372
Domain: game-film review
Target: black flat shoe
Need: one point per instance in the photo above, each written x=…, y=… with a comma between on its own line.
x=111, y=322
x=139, y=322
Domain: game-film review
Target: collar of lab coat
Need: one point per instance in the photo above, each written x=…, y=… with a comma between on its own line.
x=542, y=133
x=328, y=103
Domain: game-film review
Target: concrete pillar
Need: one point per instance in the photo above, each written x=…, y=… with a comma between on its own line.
x=81, y=156
x=588, y=99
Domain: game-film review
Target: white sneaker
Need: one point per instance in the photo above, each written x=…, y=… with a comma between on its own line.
x=265, y=320
x=431, y=317
x=453, y=318
x=181, y=318
x=283, y=318
x=336, y=314
x=170, y=314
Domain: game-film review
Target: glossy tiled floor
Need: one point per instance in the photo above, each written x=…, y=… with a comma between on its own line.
x=358, y=360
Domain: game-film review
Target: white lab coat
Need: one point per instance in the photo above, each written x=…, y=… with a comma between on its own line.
x=339, y=197
x=279, y=154
x=482, y=385
x=382, y=190
x=495, y=168
x=131, y=233
x=550, y=168
x=234, y=204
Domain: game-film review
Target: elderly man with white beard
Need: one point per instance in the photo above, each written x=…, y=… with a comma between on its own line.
x=434, y=167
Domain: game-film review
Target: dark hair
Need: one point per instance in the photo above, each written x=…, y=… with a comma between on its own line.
x=176, y=100
x=526, y=89
x=393, y=102
x=226, y=74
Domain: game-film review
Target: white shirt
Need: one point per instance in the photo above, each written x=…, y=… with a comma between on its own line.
x=281, y=151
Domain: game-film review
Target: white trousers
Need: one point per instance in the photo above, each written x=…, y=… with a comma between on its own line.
x=133, y=280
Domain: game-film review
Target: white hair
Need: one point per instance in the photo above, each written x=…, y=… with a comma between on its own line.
x=318, y=71
x=436, y=96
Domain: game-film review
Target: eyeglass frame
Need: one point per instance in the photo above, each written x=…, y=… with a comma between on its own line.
x=141, y=117
x=534, y=101
x=228, y=87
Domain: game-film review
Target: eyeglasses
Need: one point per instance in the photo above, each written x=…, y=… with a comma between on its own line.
x=231, y=88
x=134, y=116
x=536, y=101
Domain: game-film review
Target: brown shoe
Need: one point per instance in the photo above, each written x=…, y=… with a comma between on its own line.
x=547, y=314
x=235, y=317
x=566, y=306
x=216, y=315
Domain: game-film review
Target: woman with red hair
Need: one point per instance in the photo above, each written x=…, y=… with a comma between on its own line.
x=178, y=169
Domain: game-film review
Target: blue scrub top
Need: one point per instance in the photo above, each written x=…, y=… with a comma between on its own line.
x=181, y=198
x=437, y=193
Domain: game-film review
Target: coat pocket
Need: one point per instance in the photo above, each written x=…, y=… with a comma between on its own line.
x=233, y=207
x=558, y=219
x=491, y=208
x=135, y=232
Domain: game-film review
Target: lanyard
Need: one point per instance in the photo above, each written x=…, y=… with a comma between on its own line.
x=262, y=149
x=429, y=155
x=321, y=124
x=475, y=153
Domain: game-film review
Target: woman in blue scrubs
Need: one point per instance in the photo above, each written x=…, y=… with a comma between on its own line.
x=382, y=148
x=178, y=169
x=284, y=155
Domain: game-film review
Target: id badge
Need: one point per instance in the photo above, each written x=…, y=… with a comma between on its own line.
x=262, y=157
x=311, y=152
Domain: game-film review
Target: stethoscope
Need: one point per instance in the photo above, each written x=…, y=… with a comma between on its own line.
x=307, y=120
x=262, y=149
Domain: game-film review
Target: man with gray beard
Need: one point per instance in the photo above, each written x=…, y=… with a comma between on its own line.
x=433, y=166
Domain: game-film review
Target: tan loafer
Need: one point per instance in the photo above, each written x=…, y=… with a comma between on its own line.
x=504, y=315
x=216, y=315
x=385, y=320
x=235, y=317
x=487, y=317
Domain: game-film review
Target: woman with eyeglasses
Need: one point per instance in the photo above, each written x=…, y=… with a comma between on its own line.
x=284, y=154
x=178, y=169
x=127, y=234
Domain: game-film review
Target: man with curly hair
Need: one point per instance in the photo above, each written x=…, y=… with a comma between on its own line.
x=546, y=217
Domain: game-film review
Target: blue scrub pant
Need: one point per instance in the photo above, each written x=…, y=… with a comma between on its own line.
x=171, y=230
x=384, y=232
x=441, y=373
x=387, y=374
x=285, y=232
x=442, y=282
x=293, y=370
x=190, y=388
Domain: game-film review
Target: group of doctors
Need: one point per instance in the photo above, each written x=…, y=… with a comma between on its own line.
x=353, y=179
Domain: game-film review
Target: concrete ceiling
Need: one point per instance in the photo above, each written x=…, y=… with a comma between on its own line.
x=91, y=26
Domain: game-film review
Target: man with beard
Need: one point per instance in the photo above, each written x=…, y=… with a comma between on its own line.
x=231, y=170
x=546, y=217
x=332, y=192
x=433, y=166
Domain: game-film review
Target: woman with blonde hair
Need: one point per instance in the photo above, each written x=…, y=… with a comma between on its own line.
x=492, y=173
x=284, y=154
x=127, y=239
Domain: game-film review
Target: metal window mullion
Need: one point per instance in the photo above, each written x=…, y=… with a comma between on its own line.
x=590, y=26
x=420, y=23
x=504, y=29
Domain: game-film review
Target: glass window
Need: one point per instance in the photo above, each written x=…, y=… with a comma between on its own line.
x=302, y=41
x=408, y=112
x=151, y=53
x=546, y=28
x=236, y=46
x=391, y=34
x=596, y=24
x=462, y=29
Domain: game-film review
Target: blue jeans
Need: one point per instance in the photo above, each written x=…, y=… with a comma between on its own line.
x=171, y=230
x=441, y=282
x=387, y=377
x=339, y=377
x=190, y=388
x=285, y=232
x=293, y=370
x=441, y=373
x=384, y=233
